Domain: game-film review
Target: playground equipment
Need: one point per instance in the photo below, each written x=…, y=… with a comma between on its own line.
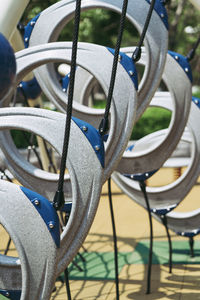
x=82, y=188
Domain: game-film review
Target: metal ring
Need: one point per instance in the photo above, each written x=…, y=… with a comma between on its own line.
x=156, y=43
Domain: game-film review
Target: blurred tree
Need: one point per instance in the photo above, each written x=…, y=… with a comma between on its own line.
x=184, y=31
x=100, y=26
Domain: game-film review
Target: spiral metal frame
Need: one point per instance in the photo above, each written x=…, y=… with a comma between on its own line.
x=24, y=277
x=86, y=186
x=156, y=41
x=165, y=198
x=89, y=57
x=153, y=156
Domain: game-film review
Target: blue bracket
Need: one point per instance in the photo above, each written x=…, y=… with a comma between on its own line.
x=141, y=176
x=189, y=233
x=128, y=65
x=46, y=211
x=28, y=30
x=94, y=137
x=30, y=89
x=163, y=211
x=11, y=294
x=183, y=62
x=161, y=11
x=196, y=101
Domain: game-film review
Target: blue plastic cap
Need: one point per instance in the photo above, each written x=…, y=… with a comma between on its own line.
x=7, y=66
x=183, y=62
x=196, y=101
x=141, y=176
x=128, y=65
x=161, y=11
x=94, y=137
x=28, y=30
x=46, y=211
x=30, y=89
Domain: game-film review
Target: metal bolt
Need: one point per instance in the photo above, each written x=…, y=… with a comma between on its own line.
x=176, y=57
x=186, y=70
x=7, y=294
x=154, y=210
x=162, y=15
x=182, y=233
x=51, y=225
x=132, y=176
x=97, y=148
x=36, y=202
x=26, y=39
x=131, y=73
x=32, y=23
x=196, y=101
x=146, y=174
x=84, y=128
x=64, y=90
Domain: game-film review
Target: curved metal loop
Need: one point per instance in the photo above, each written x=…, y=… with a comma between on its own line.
x=147, y=158
x=89, y=57
x=86, y=186
x=156, y=43
x=165, y=198
x=24, y=277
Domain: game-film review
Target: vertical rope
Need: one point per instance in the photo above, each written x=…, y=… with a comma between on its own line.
x=137, y=53
x=114, y=239
x=104, y=126
x=58, y=201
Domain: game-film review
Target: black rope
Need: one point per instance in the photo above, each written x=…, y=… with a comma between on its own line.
x=67, y=284
x=164, y=220
x=58, y=201
x=137, y=52
x=104, y=125
x=192, y=52
x=143, y=189
x=114, y=239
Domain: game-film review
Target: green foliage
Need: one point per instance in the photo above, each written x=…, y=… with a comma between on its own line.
x=22, y=139
x=152, y=120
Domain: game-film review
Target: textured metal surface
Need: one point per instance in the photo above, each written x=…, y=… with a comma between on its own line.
x=167, y=197
x=148, y=158
x=89, y=57
x=34, y=270
x=83, y=165
x=156, y=43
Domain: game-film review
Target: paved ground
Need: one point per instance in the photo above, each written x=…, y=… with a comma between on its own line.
x=96, y=281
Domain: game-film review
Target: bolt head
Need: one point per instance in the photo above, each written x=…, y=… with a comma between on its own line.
x=176, y=57
x=186, y=70
x=26, y=39
x=64, y=90
x=51, y=225
x=84, y=128
x=162, y=15
x=32, y=23
x=36, y=202
x=196, y=101
x=97, y=148
x=7, y=294
x=131, y=73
